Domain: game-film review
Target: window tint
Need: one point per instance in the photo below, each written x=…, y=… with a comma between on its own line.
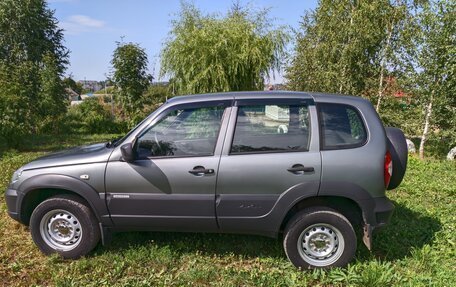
x=184, y=132
x=263, y=128
x=341, y=126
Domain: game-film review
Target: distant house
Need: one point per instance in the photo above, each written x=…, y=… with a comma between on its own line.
x=75, y=103
x=83, y=97
x=393, y=88
x=91, y=85
x=72, y=95
x=86, y=96
x=274, y=87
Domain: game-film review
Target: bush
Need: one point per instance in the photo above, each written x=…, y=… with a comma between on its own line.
x=91, y=116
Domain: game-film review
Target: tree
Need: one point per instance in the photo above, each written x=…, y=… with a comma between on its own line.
x=431, y=69
x=155, y=96
x=209, y=53
x=397, y=19
x=378, y=49
x=348, y=47
x=131, y=78
x=72, y=84
x=32, y=61
x=16, y=111
x=334, y=49
x=51, y=99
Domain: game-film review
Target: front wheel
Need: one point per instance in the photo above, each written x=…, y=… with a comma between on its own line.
x=319, y=238
x=65, y=225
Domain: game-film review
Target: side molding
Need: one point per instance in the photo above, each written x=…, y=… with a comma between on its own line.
x=269, y=223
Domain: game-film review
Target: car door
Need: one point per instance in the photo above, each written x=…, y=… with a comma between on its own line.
x=270, y=157
x=171, y=184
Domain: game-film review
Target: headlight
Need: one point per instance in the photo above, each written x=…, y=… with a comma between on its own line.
x=16, y=175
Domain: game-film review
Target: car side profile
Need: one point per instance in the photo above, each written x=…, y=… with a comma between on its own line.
x=306, y=167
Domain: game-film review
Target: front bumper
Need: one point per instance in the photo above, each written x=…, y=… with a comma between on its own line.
x=11, y=203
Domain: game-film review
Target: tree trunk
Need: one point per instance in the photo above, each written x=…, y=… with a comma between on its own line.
x=342, y=57
x=424, y=136
x=382, y=67
x=380, y=89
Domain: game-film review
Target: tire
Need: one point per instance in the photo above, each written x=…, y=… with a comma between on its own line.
x=319, y=237
x=397, y=146
x=65, y=225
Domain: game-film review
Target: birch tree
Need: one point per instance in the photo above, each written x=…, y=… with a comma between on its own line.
x=338, y=46
x=432, y=68
x=397, y=17
x=350, y=47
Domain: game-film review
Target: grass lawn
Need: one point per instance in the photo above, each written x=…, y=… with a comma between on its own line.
x=418, y=248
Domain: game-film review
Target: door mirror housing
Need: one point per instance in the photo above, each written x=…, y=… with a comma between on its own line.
x=127, y=152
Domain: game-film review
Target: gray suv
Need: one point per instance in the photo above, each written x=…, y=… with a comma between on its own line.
x=308, y=168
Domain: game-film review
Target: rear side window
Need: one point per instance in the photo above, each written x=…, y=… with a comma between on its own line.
x=341, y=126
x=271, y=128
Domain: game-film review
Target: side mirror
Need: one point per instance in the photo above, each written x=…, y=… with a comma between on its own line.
x=127, y=152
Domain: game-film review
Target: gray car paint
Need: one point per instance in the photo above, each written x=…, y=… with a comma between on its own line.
x=249, y=186
x=362, y=166
x=165, y=193
x=74, y=156
x=261, y=204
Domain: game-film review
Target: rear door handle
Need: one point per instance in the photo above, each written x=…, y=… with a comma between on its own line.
x=201, y=170
x=299, y=169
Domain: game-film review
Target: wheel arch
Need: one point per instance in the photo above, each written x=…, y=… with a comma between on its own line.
x=344, y=205
x=36, y=189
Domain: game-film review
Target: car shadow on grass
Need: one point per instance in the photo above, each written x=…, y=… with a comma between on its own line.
x=408, y=230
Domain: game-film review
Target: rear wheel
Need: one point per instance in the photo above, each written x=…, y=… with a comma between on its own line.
x=319, y=238
x=65, y=225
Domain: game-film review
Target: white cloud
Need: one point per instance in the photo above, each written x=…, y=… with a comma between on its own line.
x=86, y=21
x=77, y=24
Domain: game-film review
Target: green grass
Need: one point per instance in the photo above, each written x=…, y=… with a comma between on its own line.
x=416, y=249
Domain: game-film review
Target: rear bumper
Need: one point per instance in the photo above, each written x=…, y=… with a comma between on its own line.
x=376, y=214
x=383, y=211
x=11, y=203
x=376, y=211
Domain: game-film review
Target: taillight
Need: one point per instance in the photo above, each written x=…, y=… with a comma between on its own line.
x=388, y=168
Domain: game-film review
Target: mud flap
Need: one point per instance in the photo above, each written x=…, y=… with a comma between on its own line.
x=106, y=235
x=367, y=236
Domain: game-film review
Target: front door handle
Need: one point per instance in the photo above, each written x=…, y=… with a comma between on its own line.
x=300, y=169
x=201, y=170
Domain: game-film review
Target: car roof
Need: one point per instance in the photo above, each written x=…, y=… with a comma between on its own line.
x=317, y=97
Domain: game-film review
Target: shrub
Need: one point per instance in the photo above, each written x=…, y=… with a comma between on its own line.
x=89, y=117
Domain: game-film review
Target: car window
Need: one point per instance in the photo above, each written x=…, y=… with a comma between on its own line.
x=341, y=126
x=271, y=128
x=182, y=132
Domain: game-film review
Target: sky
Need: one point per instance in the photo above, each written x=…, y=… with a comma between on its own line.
x=91, y=28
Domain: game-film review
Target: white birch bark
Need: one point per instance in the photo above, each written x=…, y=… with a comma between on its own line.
x=382, y=68
x=383, y=60
x=425, y=134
